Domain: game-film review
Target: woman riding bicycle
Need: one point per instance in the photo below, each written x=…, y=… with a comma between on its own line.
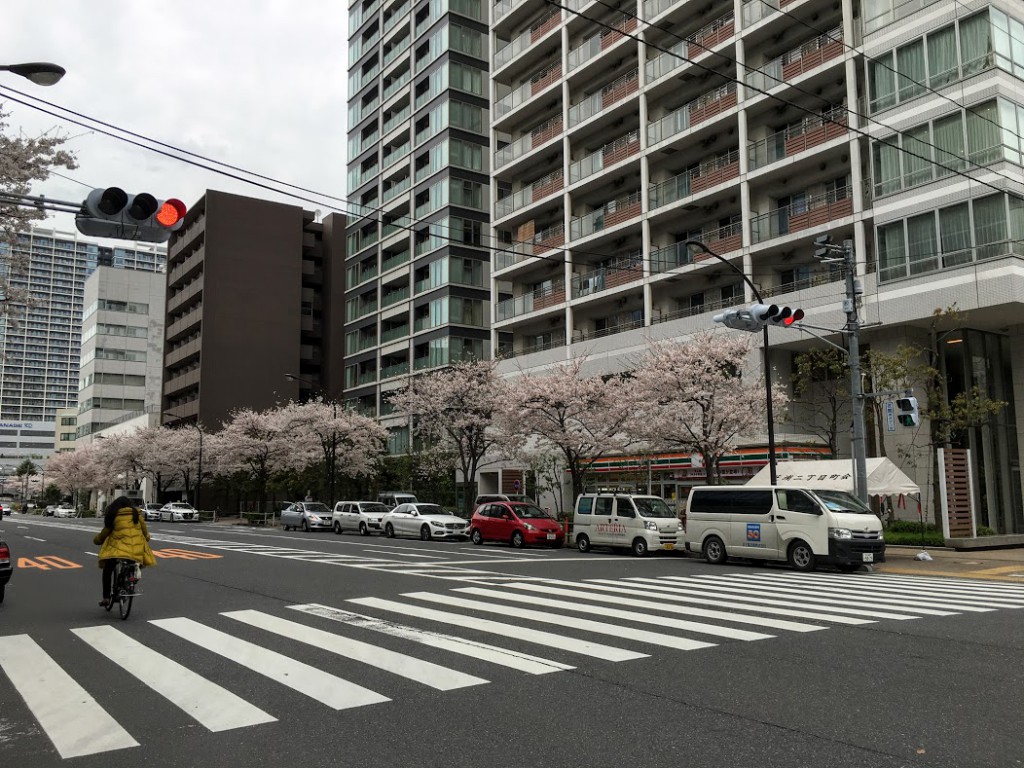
x=124, y=537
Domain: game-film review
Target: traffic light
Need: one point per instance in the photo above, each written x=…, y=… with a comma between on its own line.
x=740, y=319
x=757, y=316
x=908, y=414
x=112, y=212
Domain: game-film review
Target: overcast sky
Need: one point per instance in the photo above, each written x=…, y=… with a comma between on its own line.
x=259, y=84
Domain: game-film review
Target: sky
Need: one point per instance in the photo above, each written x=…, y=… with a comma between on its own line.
x=259, y=84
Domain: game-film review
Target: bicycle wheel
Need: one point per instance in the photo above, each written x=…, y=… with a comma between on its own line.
x=125, y=604
x=116, y=581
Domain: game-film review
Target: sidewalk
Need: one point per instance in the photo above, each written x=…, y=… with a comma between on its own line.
x=994, y=564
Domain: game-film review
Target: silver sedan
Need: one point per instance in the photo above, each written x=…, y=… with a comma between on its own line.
x=307, y=515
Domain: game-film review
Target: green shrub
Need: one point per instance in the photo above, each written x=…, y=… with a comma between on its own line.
x=931, y=538
x=984, y=530
x=909, y=526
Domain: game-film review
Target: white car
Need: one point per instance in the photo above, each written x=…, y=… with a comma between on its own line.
x=65, y=510
x=427, y=521
x=151, y=511
x=362, y=516
x=178, y=512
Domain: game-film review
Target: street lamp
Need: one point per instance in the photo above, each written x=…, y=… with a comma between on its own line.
x=199, y=461
x=333, y=455
x=772, y=466
x=39, y=72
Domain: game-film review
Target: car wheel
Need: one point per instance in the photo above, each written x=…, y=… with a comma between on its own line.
x=714, y=551
x=476, y=537
x=363, y=530
x=639, y=548
x=305, y=526
x=801, y=556
x=583, y=543
x=425, y=533
x=389, y=531
x=517, y=540
x=337, y=528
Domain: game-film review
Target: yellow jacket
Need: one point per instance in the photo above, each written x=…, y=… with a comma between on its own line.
x=127, y=540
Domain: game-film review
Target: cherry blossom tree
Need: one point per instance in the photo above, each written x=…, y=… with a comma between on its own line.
x=23, y=160
x=453, y=412
x=581, y=417
x=692, y=396
x=338, y=432
x=73, y=471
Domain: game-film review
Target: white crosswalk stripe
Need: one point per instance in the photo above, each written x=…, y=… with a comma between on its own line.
x=727, y=606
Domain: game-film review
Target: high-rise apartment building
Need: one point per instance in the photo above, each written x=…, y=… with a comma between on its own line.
x=753, y=127
x=417, y=267
x=40, y=348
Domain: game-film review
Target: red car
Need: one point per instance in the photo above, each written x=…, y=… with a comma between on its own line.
x=516, y=522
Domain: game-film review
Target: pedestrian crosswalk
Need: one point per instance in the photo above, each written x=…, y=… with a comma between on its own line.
x=372, y=650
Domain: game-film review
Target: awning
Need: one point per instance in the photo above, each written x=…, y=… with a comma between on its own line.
x=884, y=477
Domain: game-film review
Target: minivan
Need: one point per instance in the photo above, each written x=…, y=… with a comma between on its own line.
x=801, y=526
x=392, y=499
x=642, y=523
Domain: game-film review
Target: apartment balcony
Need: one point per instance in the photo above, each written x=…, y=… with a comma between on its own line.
x=535, y=301
x=612, y=325
x=530, y=244
x=693, y=47
x=798, y=61
x=537, y=137
x=602, y=41
x=621, y=149
x=360, y=309
x=187, y=295
x=393, y=296
x=708, y=174
x=613, y=93
x=529, y=343
x=394, y=260
x=181, y=354
x=721, y=240
x=612, y=213
x=813, y=212
x=659, y=315
x=190, y=267
x=185, y=324
x=398, y=369
x=539, y=82
x=395, y=85
x=396, y=50
x=819, y=278
x=396, y=188
x=184, y=381
x=526, y=40
x=619, y=272
x=703, y=108
x=811, y=132
x=541, y=188
x=392, y=17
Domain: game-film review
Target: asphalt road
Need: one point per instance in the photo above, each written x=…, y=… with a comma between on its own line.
x=260, y=647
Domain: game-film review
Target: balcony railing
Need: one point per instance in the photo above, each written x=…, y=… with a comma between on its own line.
x=755, y=10
x=693, y=47
x=814, y=211
x=542, y=298
x=393, y=297
x=692, y=310
x=534, y=245
x=617, y=325
x=538, y=136
x=398, y=369
x=617, y=273
x=397, y=15
x=538, y=82
x=797, y=61
x=544, y=186
x=394, y=333
x=397, y=118
x=820, y=278
x=393, y=261
x=811, y=132
x=708, y=174
x=396, y=189
x=609, y=154
x=556, y=341
x=614, y=212
x=396, y=85
x=602, y=41
x=522, y=42
x=611, y=94
x=704, y=107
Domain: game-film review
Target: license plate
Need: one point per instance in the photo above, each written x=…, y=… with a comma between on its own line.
x=669, y=546
x=551, y=537
x=869, y=557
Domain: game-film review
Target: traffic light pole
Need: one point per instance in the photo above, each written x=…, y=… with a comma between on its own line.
x=769, y=411
x=859, y=446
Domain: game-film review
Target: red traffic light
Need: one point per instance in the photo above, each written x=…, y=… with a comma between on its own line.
x=171, y=212
x=795, y=317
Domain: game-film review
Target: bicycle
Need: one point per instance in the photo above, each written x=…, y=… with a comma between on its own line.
x=125, y=586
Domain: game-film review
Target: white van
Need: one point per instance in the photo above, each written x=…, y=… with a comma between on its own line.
x=642, y=523
x=803, y=526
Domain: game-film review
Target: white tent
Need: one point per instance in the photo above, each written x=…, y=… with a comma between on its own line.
x=884, y=477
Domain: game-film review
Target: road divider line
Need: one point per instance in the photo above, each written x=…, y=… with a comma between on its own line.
x=523, y=662
x=310, y=681
x=213, y=707
x=409, y=667
x=70, y=717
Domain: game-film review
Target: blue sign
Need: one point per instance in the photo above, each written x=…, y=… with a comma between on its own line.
x=754, y=532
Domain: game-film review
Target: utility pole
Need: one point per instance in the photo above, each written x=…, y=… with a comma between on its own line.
x=860, y=460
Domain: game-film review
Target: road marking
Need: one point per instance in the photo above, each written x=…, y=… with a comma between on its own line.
x=320, y=686
x=425, y=672
x=996, y=592
x=549, y=639
x=215, y=708
x=523, y=662
x=71, y=718
x=611, y=613
x=34, y=538
x=650, y=605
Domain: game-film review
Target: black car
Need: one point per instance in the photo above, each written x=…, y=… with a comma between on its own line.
x=6, y=569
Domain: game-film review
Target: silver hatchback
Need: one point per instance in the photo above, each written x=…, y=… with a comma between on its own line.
x=307, y=515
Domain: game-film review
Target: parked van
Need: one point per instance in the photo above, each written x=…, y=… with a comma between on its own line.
x=803, y=526
x=392, y=499
x=642, y=523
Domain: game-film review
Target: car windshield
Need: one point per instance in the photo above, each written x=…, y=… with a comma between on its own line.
x=318, y=508
x=528, y=510
x=653, y=508
x=375, y=509
x=181, y=506
x=841, y=501
x=430, y=509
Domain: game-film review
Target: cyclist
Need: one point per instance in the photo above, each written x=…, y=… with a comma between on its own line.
x=124, y=537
